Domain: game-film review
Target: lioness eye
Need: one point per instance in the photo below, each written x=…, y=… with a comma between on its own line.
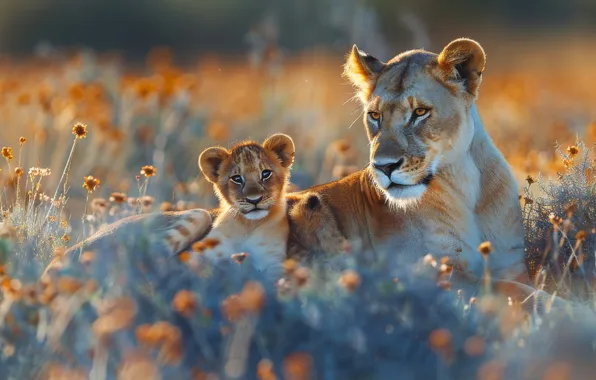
x=266, y=174
x=420, y=111
x=374, y=115
x=236, y=179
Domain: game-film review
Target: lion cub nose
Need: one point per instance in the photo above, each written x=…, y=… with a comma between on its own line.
x=390, y=167
x=254, y=200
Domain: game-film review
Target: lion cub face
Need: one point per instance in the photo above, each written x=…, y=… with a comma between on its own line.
x=417, y=113
x=250, y=178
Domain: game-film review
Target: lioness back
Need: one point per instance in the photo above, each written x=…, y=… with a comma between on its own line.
x=168, y=231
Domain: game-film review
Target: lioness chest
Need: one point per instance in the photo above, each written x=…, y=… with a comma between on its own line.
x=443, y=223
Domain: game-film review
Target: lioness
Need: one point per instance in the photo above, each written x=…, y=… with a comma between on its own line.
x=250, y=181
x=436, y=183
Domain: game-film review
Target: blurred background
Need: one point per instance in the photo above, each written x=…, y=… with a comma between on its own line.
x=156, y=83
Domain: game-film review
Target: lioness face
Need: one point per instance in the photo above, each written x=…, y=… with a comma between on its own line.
x=250, y=178
x=416, y=113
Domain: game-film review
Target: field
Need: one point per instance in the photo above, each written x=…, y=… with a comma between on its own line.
x=129, y=314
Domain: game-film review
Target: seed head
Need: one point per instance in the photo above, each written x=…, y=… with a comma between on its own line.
x=252, y=296
x=239, y=257
x=22, y=141
x=554, y=220
x=138, y=365
x=290, y=266
x=572, y=150
x=99, y=205
x=204, y=244
x=530, y=180
x=114, y=316
x=147, y=203
x=91, y=183
x=7, y=153
x=87, y=257
x=42, y=172
x=581, y=235
x=301, y=275
x=485, y=248
x=297, y=366
x=185, y=303
x=147, y=335
x=265, y=370
x=350, y=280
x=231, y=308
x=474, y=346
x=148, y=171
x=570, y=209
x=167, y=206
x=184, y=257
x=19, y=171
x=79, y=130
x=118, y=197
x=440, y=339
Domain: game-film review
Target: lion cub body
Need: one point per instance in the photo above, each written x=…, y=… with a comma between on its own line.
x=250, y=180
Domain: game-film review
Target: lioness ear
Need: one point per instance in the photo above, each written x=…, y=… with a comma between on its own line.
x=464, y=58
x=210, y=162
x=283, y=147
x=362, y=70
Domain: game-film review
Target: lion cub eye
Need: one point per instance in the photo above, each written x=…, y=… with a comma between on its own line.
x=237, y=179
x=266, y=174
x=374, y=115
x=420, y=111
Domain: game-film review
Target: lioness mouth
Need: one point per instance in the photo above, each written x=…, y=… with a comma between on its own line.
x=424, y=181
x=254, y=210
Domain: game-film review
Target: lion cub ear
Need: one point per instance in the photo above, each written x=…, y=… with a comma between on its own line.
x=210, y=162
x=362, y=70
x=465, y=59
x=282, y=146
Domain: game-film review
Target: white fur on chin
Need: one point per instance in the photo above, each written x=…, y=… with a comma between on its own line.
x=403, y=197
x=256, y=215
x=398, y=197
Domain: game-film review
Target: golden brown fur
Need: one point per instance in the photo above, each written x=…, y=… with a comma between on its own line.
x=436, y=183
x=313, y=228
x=250, y=180
x=172, y=230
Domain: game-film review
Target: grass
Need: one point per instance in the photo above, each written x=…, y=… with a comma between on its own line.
x=129, y=311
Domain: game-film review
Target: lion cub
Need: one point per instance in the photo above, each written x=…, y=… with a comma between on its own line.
x=250, y=181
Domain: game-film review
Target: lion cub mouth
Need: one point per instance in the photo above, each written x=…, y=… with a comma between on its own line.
x=255, y=214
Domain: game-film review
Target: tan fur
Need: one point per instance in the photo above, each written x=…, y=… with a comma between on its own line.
x=453, y=189
x=264, y=239
x=313, y=229
x=172, y=229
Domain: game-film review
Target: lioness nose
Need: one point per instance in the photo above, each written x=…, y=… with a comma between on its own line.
x=390, y=167
x=254, y=200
